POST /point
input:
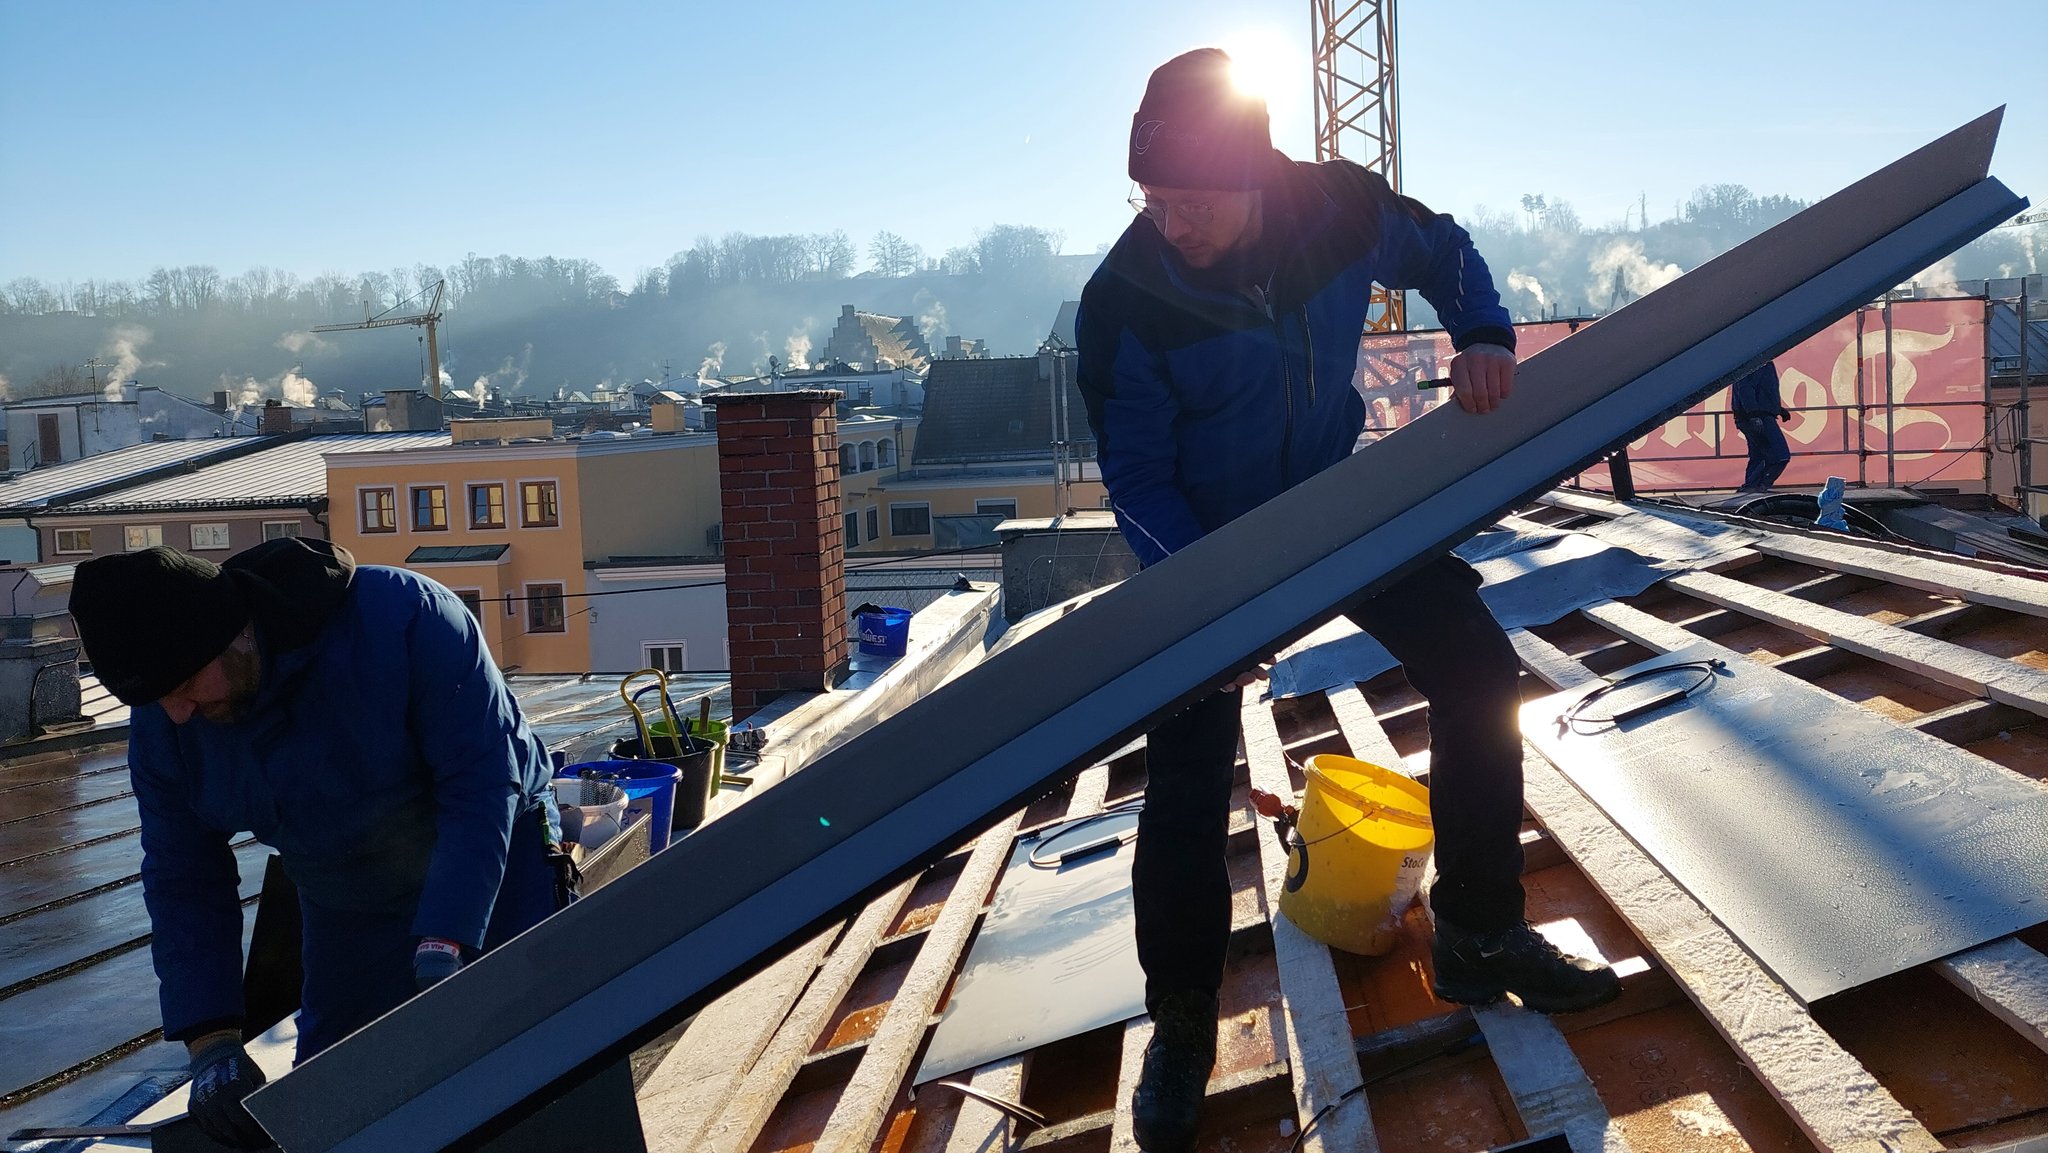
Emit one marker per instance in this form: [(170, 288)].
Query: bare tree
[(61, 379), (892, 255), (203, 283), (28, 295), (1009, 249)]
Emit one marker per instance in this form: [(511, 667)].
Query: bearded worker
[(350, 718)]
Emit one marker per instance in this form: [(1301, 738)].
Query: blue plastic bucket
[(883, 631), (650, 788)]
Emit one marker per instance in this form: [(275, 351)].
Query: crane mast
[(1357, 107)]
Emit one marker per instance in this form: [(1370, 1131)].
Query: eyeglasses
[(1195, 215)]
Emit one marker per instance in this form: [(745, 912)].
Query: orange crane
[(1358, 107), (426, 319)]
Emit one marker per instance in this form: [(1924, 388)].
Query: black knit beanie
[(1195, 130), (150, 619)]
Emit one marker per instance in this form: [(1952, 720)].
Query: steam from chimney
[(797, 350), (247, 394), (1939, 278), (1519, 281), (931, 322), (4, 390), (124, 348), (1638, 275), (296, 389), (297, 343), (714, 361), (508, 377)]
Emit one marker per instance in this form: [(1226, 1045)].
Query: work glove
[(435, 961), (222, 1075)]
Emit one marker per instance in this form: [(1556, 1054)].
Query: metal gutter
[(542, 1015)]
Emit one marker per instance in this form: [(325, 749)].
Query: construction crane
[(426, 319), (1357, 103)]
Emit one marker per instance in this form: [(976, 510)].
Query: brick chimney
[(276, 418), (785, 578)]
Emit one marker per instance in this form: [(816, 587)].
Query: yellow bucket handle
[(1368, 809), (640, 719)]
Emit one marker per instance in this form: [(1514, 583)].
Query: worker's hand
[(1784, 416), (222, 1075), (1251, 676), (1482, 376), (435, 961)]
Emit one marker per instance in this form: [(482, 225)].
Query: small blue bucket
[(883, 631), (650, 789)]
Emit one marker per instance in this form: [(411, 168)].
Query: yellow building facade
[(512, 528)]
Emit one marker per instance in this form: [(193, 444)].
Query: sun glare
[(1260, 64)]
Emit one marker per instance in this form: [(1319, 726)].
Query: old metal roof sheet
[(290, 473), (47, 487)]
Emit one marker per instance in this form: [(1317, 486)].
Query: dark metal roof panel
[(993, 409), (2003, 341), (455, 553)]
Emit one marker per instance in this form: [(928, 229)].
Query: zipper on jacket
[(1262, 298)]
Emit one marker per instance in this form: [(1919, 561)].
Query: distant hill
[(520, 343), (534, 326)]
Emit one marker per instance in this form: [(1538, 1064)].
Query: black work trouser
[(1461, 661)]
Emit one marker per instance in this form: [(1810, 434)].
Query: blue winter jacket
[(1756, 393), (384, 758), (1209, 399)]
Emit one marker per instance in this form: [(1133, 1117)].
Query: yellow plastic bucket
[(1357, 856)]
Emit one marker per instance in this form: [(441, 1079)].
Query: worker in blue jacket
[(350, 718), (1218, 343), (1759, 408)]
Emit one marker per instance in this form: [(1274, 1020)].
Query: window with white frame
[(849, 460), (379, 508), (279, 529), (910, 519), (867, 455), (852, 530), (539, 504), (430, 508), (874, 522), (74, 540), (545, 612), (885, 453), (487, 505), (210, 536), (473, 600), (668, 656), (1007, 509), (137, 537)]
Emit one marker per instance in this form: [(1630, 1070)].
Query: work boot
[(1166, 1110), (1479, 968)]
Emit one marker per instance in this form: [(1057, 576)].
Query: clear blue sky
[(317, 137)]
